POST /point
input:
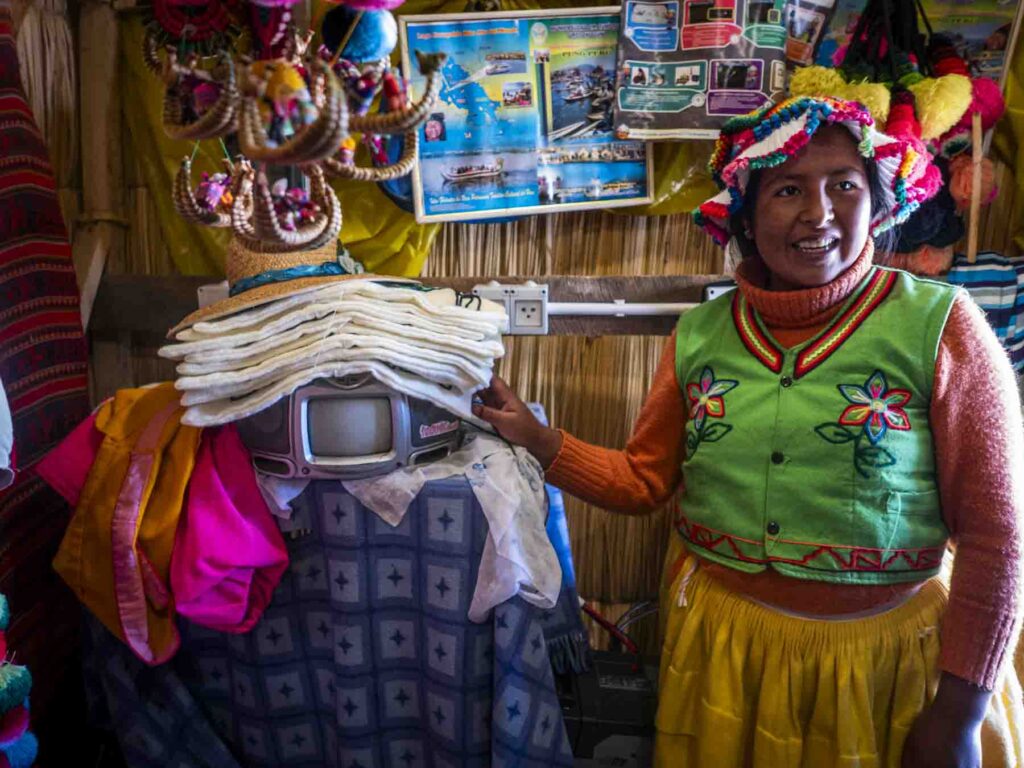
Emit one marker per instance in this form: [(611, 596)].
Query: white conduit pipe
[(617, 308)]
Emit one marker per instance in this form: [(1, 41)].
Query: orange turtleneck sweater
[(975, 418)]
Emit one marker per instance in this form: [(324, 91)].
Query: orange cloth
[(116, 553), (976, 422)]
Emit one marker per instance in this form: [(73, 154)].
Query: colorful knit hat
[(771, 135)]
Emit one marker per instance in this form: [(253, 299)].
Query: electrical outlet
[(527, 313), (526, 305)]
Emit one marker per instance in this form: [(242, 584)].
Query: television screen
[(342, 427)]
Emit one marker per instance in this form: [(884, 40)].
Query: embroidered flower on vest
[(707, 400), (875, 409)]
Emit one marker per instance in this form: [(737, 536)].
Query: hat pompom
[(961, 177), (824, 81), (941, 103)]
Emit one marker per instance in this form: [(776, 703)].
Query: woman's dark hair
[(743, 219)]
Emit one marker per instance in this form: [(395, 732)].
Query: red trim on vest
[(846, 557), (879, 286), (756, 342)]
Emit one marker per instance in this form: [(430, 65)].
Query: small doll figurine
[(286, 104), (214, 192)]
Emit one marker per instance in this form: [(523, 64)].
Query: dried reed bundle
[(591, 243), (46, 56), (592, 387)]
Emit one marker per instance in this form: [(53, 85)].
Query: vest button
[(778, 457), (786, 381), (772, 528)]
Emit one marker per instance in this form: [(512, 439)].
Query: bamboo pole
[(976, 158), (99, 236)]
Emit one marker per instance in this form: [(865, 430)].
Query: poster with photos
[(686, 66), (523, 121)]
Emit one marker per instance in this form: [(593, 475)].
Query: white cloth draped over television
[(518, 558)]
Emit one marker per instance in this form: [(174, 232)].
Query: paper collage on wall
[(686, 66), (523, 122)]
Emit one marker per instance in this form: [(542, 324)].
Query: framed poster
[(685, 66), (523, 122)]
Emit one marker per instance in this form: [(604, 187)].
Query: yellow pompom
[(941, 102), (874, 96), (824, 81), (816, 81)]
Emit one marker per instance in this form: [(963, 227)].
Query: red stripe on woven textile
[(49, 388), (21, 249), (14, 103), (43, 318), (16, 179)]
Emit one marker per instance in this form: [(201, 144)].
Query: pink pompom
[(961, 170), (988, 100)]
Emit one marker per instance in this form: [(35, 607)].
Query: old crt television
[(347, 428)]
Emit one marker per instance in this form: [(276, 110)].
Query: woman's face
[(812, 215)]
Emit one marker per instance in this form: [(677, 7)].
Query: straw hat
[(771, 135), (257, 278)]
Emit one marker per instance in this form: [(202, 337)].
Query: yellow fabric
[(84, 559), (1008, 143), (194, 250), (742, 685)]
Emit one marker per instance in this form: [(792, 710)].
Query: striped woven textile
[(43, 365), (996, 283)]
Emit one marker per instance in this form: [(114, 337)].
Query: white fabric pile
[(428, 344)]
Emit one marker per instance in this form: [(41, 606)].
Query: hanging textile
[(365, 657), (44, 370)]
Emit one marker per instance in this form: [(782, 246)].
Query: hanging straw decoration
[(184, 115), (46, 57), (311, 142)]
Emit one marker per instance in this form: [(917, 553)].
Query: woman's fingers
[(497, 395)]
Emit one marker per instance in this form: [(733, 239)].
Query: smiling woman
[(828, 448), (827, 179)]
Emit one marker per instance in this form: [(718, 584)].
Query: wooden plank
[(100, 239), (149, 305)]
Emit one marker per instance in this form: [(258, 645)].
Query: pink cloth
[(228, 555), (228, 552), (67, 466)]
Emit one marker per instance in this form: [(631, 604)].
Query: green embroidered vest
[(816, 460)]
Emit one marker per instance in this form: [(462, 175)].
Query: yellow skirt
[(743, 685)]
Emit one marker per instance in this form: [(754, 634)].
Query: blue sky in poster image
[(470, 114)]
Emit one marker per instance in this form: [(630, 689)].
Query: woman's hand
[(947, 734), (502, 409)]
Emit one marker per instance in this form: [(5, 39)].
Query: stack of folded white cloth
[(435, 345)]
